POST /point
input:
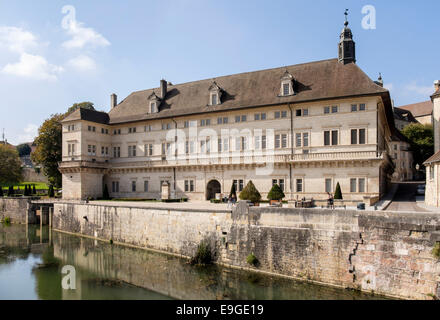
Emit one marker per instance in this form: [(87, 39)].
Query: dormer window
[(287, 85), (215, 93), (154, 103)]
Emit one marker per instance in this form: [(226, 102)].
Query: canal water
[(32, 261)]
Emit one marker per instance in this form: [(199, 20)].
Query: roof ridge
[(240, 73)]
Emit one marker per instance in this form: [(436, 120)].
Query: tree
[(34, 191), (1, 192), (338, 192), (250, 193), (25, 190), (24, 150), (421, 138), (11, 191), (106, 195), (10, 165), (49, 148), (276, 193), (51, 192), (233, 192), (83, 105)]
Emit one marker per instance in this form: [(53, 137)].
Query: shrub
[(338, 192), (203, 255), (7, 221), (1, 192), (11, 191), (34, 191), (106, 195), (250, 193), (276, 193), (252, 260), (436, 250), (233, 192), (51, 192)]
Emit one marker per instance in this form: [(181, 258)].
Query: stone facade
[(389, 255)]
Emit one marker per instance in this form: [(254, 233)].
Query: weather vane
[(346, 14)]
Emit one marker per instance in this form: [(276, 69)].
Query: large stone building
[(305, 127), (432, 194)]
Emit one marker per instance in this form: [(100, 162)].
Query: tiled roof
[(434, 158), (404, 115), (314, 81), (419, 109), (88, 115)]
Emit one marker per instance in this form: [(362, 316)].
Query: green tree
[(11, 191), (106, 195), (10, 165), (233, 192), (83, 105), (250, 193), (421, 138), (48, 152), (1, 192), (51, 192), (276, 193), (24, 150), (338, 192), (34, 191)]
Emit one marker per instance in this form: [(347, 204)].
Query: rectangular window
[(431, 172), (132, 151), (237, 119), (277, 114), (284, 141), (257, 143), (305, 112), (214, 99), (354, 136), (298, 140), (326, 138), (220, 120), (305, 139), (334, 109), (328, 185), (116, 152), (277, 141), (133, 186), (186, 185), (257, 117), (353, 185), (362, 107), (362, 136), (240, 185), (354, 108), (298, 113), (281, 184), (243, 118), (286, 89), (361, 184), (334, 138), (299, 185), (326, 110), (146, 185), (102, 151), (283, 114), (115, 186), (263, 142)]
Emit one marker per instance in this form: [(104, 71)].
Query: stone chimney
[(113, 100), (435, 98), (163, 89), (437, 85)]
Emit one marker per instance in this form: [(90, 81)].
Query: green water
[(31, 262)]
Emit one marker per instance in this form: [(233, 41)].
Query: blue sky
[(48, 61)]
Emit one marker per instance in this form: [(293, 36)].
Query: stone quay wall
[(15, 208), (385, 253)]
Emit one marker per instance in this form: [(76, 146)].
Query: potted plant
[(251, 194), (276, 195)]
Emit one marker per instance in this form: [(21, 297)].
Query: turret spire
[(347, 47)]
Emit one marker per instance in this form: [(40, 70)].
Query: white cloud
[(33, 67), (82, 63), (30, 132), (16, 39), (82, 36), (422, 90)]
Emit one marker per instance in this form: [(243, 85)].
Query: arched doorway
[(212, 189)]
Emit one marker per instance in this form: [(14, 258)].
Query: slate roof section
[(434, 158), (420, 109), (404, 115), (321, 80), (88, 115)]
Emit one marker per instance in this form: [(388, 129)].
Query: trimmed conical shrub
[(26, 191), (34, 191), (233, 192), (338, 192), (276, 193), (106, 195), (250, 193), (1, 192), (51, 192), (11, 191)]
